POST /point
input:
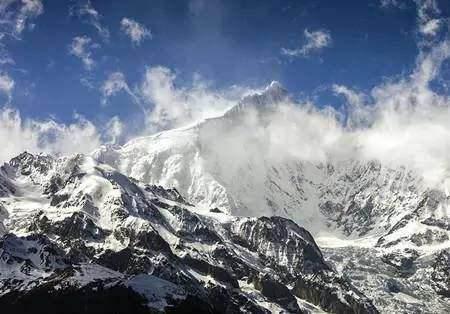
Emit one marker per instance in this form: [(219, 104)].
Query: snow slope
[(362, 205)]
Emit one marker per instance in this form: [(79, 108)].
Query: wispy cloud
[(315, 41), (357, 114), (114, 130), (6, 85), (137, 32), (15, 15), (114, 84), (165, 105), (429, 20), (174, 107), (91, 16), (81, 47), (391, 3)]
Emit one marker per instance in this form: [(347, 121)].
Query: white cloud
[(91, 16), (15, 15), (114, 130), (315, 41), (29, 9), (166, 106), (173, 107), (401, 122), (428, 17), (431, 27), (137, 32), (81, 47), (114, 84), (18, 135), (6, 84), (429, 21), (358, 115)]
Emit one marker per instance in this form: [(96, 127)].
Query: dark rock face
[(321, 289), (77, 226), (170, 194), (278, 238), (86, 301), (277, 293), (441, 273), (26, 163), (125, 261), (229, 301)]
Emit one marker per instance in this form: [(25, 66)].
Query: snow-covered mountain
[(360, 211), (78, 236), (215, 218), (212, 164)]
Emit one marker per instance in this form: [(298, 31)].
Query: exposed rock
[(441, 273)]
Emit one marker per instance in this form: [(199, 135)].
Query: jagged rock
[(332, 293), (403, 260), (441, 273), (77, 226), (284, 244), (277, 293)]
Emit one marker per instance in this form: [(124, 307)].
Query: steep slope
[(226, 162), (212, 164), (79, 236)]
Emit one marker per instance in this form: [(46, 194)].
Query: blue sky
[(101, 65), (226, 42)]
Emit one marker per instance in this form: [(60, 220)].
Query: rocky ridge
[(75, 232)]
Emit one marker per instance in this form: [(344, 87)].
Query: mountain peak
[(273, 93), (270, 97), (275, 85)]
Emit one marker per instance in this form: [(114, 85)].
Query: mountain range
[(221, 217)]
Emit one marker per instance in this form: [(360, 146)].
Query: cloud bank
[(401, 123), (18, 135)]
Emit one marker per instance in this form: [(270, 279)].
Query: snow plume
[(401, 123), (18, 135), (114, 84), (174, 107)]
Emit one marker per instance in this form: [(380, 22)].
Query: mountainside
[(354, 208), (78, 236), (208, 219)]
